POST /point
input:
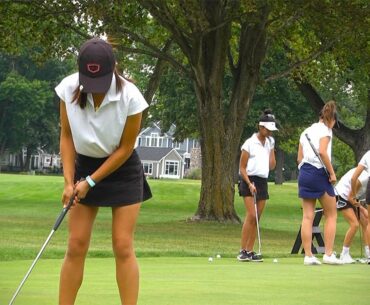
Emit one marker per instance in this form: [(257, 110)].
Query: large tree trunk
[(206, 45), (221, 130), (279, 170), (357, 139)]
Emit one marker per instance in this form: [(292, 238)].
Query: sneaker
[(331, 260), (243, 256), (347, 259), (254, 257), (368, 260), (362, 260), (311, 260)]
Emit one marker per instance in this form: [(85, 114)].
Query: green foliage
[(26, 119), (194, 174), (343, 157)]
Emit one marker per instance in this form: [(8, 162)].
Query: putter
[(360, 226), (340, 203), (257, 222), (55, 227)]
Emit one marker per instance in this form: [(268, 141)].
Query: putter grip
[(63, 213)]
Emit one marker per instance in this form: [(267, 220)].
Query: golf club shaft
[(360, 227), (55, 227), (317, 154), (32, 266), (257, 222)]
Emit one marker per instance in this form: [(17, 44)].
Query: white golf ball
[(210, 259), (275, 260), (218, 256)]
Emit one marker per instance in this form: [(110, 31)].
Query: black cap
[(96, 64)]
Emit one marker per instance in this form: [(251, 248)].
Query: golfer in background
[(364, 165), (256, 160), (354, 213), (100, 114), (314, 183)]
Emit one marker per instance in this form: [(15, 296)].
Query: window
[(148, 168), (154, 139), (172, 168), (176, 145)]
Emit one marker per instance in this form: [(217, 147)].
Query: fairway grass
[(195, 281), (172, 251)]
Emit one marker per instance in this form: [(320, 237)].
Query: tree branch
[(299, 63)]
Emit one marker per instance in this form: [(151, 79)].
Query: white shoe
[(363, 260), (347, 259), (331, 260), (311, 260)]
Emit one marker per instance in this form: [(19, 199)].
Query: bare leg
[(80, 222), (308, 206), (249, 229), (330, 213), (351, 218), (127, 270)]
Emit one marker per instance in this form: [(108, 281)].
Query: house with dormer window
[(161, 155)]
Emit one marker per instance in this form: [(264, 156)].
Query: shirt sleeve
[(60, 90), (246, 146), (137, 102), (365, 161)]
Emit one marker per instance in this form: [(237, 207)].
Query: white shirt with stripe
[(344, 185), (365, 162), (98, 133), (259, 155), (315, 132)]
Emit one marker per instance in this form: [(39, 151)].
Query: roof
[(153, 153)]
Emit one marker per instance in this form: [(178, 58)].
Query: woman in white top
[(315, 182), (100, 114), (353, 210), (256, 160), (364, 165)]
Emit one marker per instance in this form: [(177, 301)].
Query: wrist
[(90, 181)]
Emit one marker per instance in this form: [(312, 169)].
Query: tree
[(206, 40)]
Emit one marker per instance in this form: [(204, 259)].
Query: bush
[(194, 174)]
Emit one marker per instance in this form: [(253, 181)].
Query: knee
[(354, 225), (123, 248), (77, 247)]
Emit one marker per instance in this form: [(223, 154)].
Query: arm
[(352, 194), (119, 156), (300, 154), (324, 142), (354, 179), (68, 154), (243, 169), (272, 159)]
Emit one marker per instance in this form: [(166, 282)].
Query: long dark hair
[(81, 97)]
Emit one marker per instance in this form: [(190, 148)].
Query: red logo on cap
[(93, 68)]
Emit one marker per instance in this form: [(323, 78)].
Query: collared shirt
[(259, 155), (98, 133), (344, 185), (315, 132), (365, 162)]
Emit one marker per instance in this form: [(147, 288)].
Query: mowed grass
[(195, 281), (173, 252)]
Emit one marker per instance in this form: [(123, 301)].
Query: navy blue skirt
[(127, 185), (313, 182)]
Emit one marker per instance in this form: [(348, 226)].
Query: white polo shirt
[(259, 155), (344, 185), (98, 133), (365, 162), (315, 132)]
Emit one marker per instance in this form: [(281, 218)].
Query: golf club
[(340, 203), (55, 227), (360, 226), (257, 222)]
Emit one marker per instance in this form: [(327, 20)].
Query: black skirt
[(127, 185), (260, 184)]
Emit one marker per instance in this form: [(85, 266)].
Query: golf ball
[(210, 259), (218, 256), (275, 260)]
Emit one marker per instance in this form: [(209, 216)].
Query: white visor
[(269, 125)]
